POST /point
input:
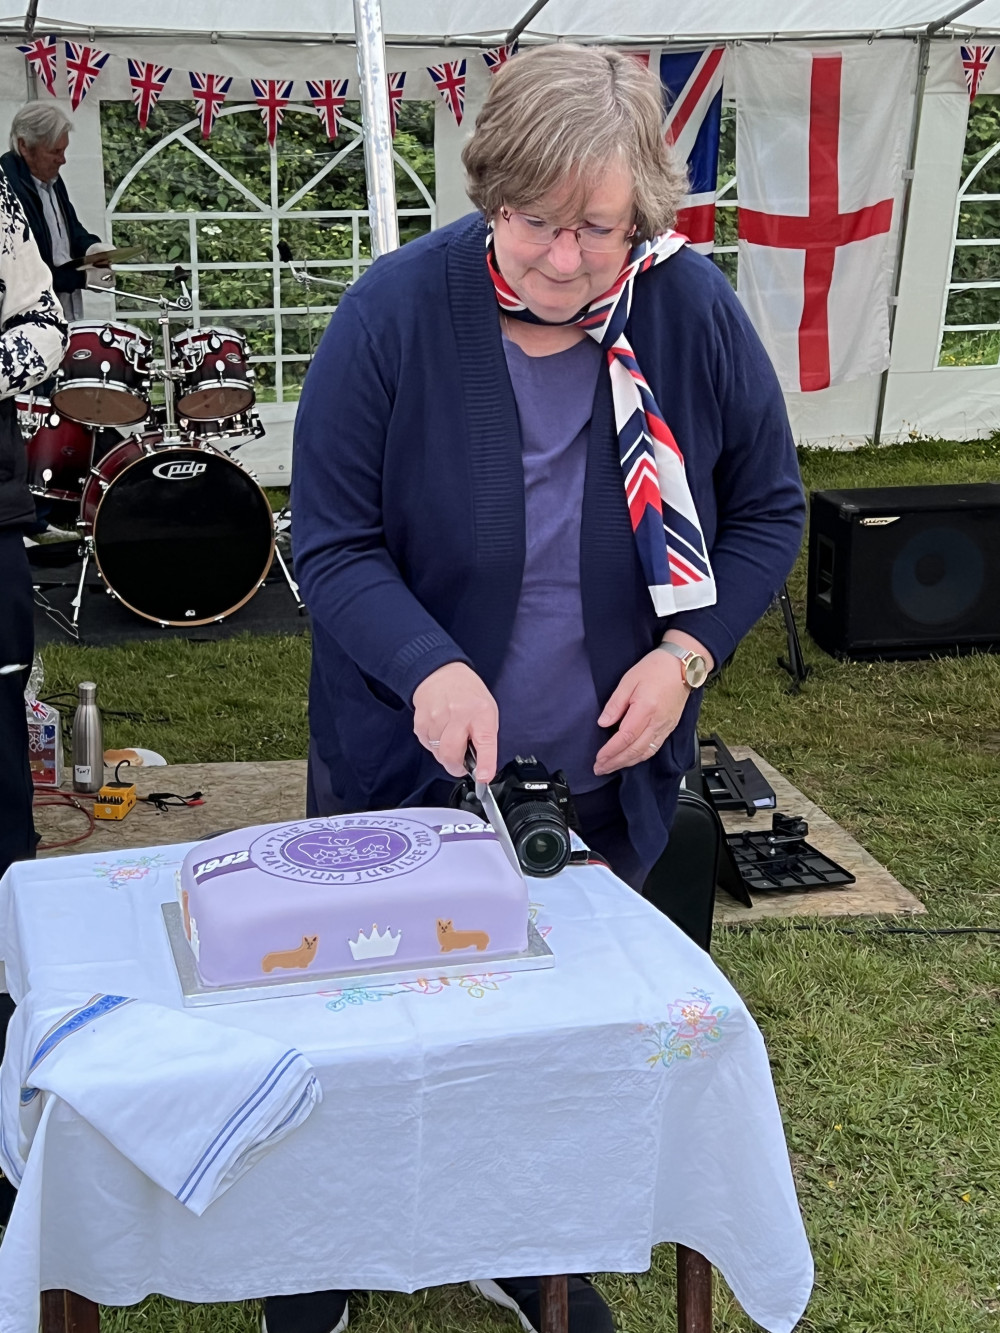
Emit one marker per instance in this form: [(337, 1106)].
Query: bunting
[(499, 55), (328, 97), (148, 82), (209, 92), (449, 80), (41, 57), (974, 62), (396, 82), (83, 64), (272, 96)]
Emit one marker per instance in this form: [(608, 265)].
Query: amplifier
[(905, 571)]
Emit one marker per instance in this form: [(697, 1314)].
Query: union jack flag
[(692, 82), (974, 62), (83, 64), (272, 96), (148, 82), (328, 97), (499, 55), (209, 92), (38, 708), (449, 80), (41, 56), (396, 82)]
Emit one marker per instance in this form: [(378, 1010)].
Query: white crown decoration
[(375, 945)]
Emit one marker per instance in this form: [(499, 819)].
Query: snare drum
[(216, 381), (182, 534), (59, 450), (105, 375)]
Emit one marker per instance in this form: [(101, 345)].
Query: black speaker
[(905, 571)]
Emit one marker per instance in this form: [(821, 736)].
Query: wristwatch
[(694, 668)]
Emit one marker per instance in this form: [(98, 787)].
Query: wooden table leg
[(66, 1312), (694, 1292), (554, 1295)]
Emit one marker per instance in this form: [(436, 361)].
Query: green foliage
[(977, 220), (306, 179)]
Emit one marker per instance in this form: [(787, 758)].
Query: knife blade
[(484, 795)]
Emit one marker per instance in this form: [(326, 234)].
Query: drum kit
[(180, 531)]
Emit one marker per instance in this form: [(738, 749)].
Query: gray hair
[(39, 122), (565, 113)]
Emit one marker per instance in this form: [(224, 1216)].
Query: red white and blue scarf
[(665, 522)]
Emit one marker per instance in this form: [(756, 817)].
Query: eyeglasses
[(535, 231)]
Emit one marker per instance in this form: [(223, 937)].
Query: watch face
[(695, 671)]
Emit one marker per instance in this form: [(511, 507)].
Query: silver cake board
[(195, 992)]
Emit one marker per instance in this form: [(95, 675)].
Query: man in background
[(39, 137)]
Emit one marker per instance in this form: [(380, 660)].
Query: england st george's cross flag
[(820, 152)]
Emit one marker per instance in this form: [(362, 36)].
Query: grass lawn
[(885, 1047)]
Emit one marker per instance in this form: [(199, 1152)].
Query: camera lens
[(541, 841)]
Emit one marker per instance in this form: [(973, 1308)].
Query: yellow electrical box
[(114, 800)]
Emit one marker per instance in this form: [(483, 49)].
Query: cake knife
[(484, 795)]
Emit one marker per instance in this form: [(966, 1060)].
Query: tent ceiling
[(653, 20)]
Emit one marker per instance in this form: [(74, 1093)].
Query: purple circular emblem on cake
[(347, 849)]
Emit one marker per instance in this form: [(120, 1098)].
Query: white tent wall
[(955, 402)]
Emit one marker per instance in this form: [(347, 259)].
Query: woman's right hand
[(451, 707)]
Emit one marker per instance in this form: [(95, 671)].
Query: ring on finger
[(433, 744), (653, 746)]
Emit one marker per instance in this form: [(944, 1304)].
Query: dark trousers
[(17, 645), (17, 830)]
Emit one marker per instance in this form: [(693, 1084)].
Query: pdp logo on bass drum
[(179, 471)]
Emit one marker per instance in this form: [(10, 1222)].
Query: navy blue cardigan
[(407, 493)]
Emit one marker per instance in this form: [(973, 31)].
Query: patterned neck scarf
[(664, 520)]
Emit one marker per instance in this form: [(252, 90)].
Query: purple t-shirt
[(545, 691)]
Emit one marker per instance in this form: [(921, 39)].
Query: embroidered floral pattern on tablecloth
[(693, 1028), (474, 986), (121, 872)]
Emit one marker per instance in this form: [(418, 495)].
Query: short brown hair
[(563, 111)]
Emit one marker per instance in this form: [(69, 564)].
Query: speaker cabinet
[(905, 571)]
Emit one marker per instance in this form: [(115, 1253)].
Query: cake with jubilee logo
[(382, 891)]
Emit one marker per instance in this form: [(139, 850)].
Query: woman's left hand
[(647, 705)]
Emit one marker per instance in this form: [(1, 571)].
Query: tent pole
[(379, 169), (938, 24), (29, 31), (522, 23), (923, 64)]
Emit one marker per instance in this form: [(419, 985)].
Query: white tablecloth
[(542, 1122)]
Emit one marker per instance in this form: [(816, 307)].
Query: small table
[(628, 1085)]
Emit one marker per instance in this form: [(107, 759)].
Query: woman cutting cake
[(543, 484)]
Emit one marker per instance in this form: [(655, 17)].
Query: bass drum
[(182, 534)]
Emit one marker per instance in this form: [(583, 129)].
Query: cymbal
[(117, 256)]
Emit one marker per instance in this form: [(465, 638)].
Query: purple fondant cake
[(354, 893)]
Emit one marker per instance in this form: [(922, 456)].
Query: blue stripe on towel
[(96, 1007), (250, 1103)]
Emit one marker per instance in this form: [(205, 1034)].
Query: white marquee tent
[(919, 394)]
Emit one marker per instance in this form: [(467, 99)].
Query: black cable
[(873, 930)]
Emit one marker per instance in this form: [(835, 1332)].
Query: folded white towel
[(193, 1104)]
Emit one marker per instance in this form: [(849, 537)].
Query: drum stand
[(282, 522)]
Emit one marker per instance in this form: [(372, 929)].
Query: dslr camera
[(536, 807)]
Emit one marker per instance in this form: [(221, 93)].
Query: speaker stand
[(794, 664)]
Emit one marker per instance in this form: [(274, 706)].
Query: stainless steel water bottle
[(88, 741)]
